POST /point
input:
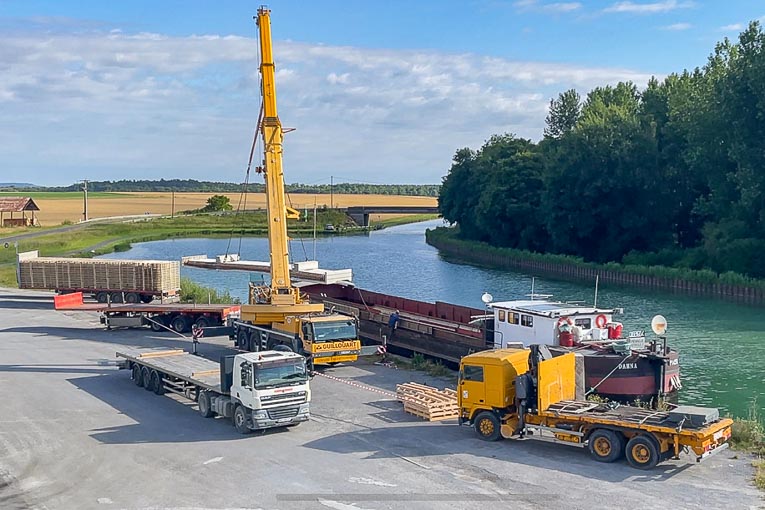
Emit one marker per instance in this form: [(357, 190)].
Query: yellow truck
[(528, 393), (325, 338)]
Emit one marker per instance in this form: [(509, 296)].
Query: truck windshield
[(282, 374), (340, 330)]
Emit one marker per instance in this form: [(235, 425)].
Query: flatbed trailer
[(523, 393), (180, 317), (256, 390)]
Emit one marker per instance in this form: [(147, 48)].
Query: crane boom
[(282, 291)]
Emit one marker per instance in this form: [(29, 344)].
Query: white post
[(314, 228), (597, 277)]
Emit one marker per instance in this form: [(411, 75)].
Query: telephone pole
[(85, 199), (331, 192)]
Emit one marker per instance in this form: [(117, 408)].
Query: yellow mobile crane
[(277, 315)]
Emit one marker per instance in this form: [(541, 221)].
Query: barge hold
[(617, 366)]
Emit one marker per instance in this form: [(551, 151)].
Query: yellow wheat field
[(56, 211)]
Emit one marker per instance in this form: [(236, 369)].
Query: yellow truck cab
[(326, 337), (527, 393)]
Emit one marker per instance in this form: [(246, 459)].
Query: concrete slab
[(75, 433)]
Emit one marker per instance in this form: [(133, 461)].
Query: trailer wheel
[(146, 378), (243, 339), (606, 445), (157, 385), (136, 376), (157, 323), (202, 322), (147, 298), (240, 420), (132, 297), (179, 324), (487, 426), (102, 297), (205, 407), (116, 297), (642, 452)]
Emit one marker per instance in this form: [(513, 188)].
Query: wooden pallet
[(428, 402)]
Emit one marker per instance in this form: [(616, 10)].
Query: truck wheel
[(132, 297), (642, 452), (202, 322), (205, 406), (102, 297), (179, 324), (157, 386), (606, 445), (146, 378), (116, 297), (147, 298), (137, 377), (487, 426), (243, 339), (157, 324), (240, 420)]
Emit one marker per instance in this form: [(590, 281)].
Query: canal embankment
[(730, 286)]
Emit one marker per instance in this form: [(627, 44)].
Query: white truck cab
[(273, 388)]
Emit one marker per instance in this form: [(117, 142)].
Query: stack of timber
[(427, 402), (150, 276)]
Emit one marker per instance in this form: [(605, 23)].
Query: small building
[(20, 206)]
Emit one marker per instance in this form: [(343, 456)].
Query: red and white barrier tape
[(358, 385)]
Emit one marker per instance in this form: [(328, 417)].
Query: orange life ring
[(601, 320), (565, 320)]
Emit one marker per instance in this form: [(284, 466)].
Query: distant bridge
[(360, 214)]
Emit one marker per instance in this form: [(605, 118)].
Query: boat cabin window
[(501, 315), (583, 323), (471, 373), (512, 318), (527, 320)]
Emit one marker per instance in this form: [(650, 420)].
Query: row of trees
[(191, 185), (671, 175)]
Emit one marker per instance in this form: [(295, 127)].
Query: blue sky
[(381, 92)]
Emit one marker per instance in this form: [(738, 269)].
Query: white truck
[(257, 390)]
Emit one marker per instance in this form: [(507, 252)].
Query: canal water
[(721, 344)]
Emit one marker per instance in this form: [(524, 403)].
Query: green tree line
[(191, 185), (672, 175)]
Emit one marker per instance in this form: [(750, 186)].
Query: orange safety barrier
[(63, 301)]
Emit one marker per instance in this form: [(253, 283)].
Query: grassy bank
[(688, 280), (192, 292), (749, 436), (403, 220)]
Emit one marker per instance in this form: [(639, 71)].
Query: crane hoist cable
[(242, 205)]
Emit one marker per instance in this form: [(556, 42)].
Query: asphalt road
[(75, 433)]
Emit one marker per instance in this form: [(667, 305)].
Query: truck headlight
[(260, 414), (304, 408)]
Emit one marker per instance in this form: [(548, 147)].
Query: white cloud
[(677, 27), (115, 105), (649, 8), (555, 7), (734, 27)]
